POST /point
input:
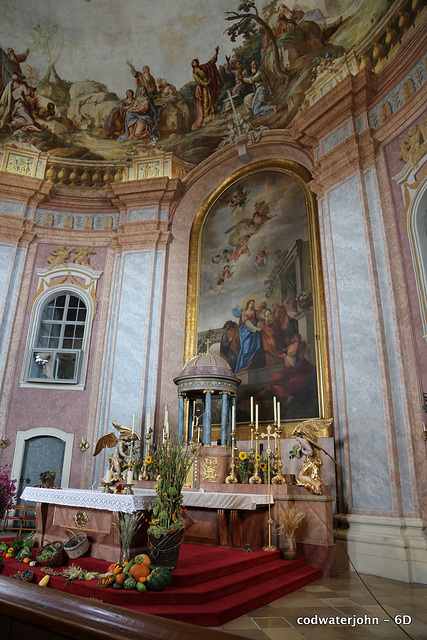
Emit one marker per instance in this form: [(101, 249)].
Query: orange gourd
[(146, 559), (138, 571), (120, 577), (114, 568)]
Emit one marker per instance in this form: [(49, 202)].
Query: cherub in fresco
[(241, 228), (223, 257), (241, 248), (260, 216), (260, 260), (238, 199)]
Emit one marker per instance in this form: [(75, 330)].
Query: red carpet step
[(210, 585)]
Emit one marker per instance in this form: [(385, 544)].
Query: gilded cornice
[(16, 230)]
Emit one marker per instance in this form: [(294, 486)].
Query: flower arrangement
[(245, 466), (289, 522), (45, 475), (152, 466), (7, 489), (175, 459)]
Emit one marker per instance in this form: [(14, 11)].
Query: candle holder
[(127, 491), (269, 435), (277, 458), (106, 486), (256, 478), (143, 474), (232, 478)]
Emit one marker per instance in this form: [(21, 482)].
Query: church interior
[(213, 268)]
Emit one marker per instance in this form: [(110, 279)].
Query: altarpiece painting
[(258, 293)]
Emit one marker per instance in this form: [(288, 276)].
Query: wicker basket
[(24, 576), (54, 561), (76, 550)]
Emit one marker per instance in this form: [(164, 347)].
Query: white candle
[(252, 438), (275, 408), (252, 409), (232, 416), (278, 415), (256, 417), (167, 429), (166, 419), (129, 477), (108, 476), (148, 421)]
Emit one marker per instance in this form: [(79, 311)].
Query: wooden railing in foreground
[(40, 613)]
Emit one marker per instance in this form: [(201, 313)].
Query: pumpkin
[(120, 578), (159, 579), (117, 585), (138, 571)]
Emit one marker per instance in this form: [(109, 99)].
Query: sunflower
[(148, 459), (243, 455), (263, 466), (257, 457)]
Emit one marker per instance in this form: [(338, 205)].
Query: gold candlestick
[(143, 474), (256, 478), (269, 435), (232, 478), (278, 464)]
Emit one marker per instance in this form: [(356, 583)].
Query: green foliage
[(175, 461)]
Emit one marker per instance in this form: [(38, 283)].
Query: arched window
[(58, 348)]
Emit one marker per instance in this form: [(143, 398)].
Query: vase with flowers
[(7, 490), (175, 459), (47, 478)]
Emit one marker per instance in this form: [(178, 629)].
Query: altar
[(213, 518), (235, 517)]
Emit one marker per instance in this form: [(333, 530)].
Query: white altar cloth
[(83, 498), (141, 499)]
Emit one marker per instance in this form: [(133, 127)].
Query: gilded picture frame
[(255, 291)]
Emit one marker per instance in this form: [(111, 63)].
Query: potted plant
[(289, 522), (7, 490), (47, 478), (175, 459)]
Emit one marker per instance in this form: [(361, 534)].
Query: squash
[(141, 587), (120, 578), (44, 581), (127, 567), (159, 578), (117, 585), (138, 571), (129, 583), (115, 568)]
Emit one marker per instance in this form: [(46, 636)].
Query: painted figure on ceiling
[(239, 90), (16, 112), (207, 91), (168, 91), (6, 70), (257, 102), (114, 122), (143, 79), (142, 118)]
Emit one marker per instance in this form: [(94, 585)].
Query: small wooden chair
[(14, 516), (28, 520)]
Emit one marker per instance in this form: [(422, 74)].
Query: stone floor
[(368, 611)]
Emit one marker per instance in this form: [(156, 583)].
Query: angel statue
[(305, 433), (118, 462)]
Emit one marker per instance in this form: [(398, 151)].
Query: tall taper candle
[(256, 417), (275, 408), (252, 409)]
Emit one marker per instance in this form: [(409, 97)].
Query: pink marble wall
[(31, 408)]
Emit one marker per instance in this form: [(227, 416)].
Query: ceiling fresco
[(100, 79)]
